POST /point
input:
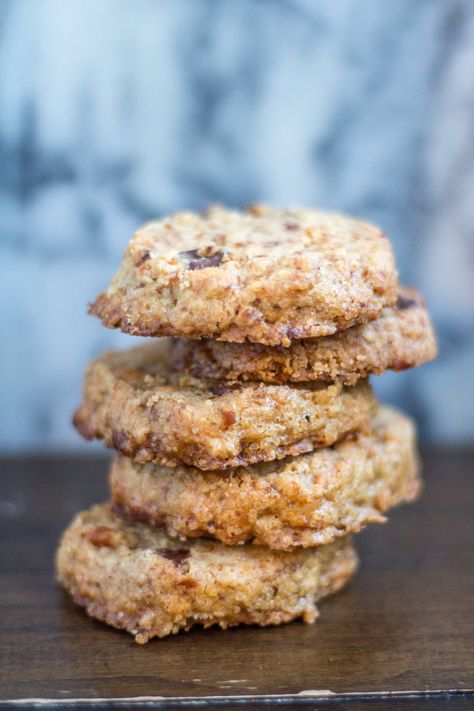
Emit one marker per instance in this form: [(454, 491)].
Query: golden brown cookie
[(302, 501), (139, 405), (402, 337), (264, 275), (138, 579)]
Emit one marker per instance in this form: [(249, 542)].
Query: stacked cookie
[(250, 445)]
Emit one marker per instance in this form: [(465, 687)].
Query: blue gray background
[(116, 111)]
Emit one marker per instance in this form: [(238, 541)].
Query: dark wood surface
[(405, 624)]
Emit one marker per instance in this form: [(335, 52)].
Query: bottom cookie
[(138, 579)]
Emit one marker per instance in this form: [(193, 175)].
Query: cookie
[(139, 405), (264, 275), (402, 337), (138, 579), (308, 500)]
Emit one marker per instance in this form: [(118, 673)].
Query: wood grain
[(405, 624)]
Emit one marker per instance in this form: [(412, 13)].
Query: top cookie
[(264, 275)]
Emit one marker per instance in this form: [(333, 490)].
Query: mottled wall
[(116, 111)]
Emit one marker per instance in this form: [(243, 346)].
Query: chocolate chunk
[(223, 388), (119, 440), (143, 257), (290, 225), (203, 258), (176, 555), (404, 303), (293, 333)]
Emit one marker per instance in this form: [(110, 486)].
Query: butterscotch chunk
[(153, 586), (140, 406), (264, 275)]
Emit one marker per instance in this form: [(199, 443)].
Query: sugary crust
[(304, 501), (402, 337), (263, 275), (140, 406), (138, 579)]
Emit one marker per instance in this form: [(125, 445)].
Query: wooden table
[(401, 634)]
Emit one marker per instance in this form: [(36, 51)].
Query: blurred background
[(113, 112)]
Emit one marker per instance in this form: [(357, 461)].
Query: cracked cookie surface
[(143, 408), (138, 579), (262, 275)]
